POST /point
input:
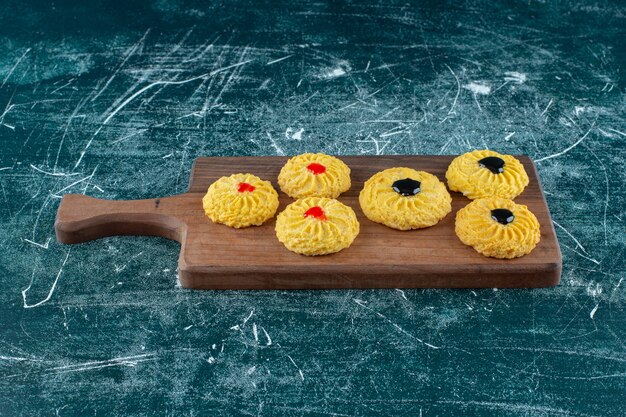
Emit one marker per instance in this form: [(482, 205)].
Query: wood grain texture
[(215, 256)]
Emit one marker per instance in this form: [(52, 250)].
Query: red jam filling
[(244, 186), (316, 212), (316, 168)]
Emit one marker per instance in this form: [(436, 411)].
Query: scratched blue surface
[(116, 100)]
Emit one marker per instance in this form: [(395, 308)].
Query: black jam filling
[(502, 216), (493, 164), (407, 187)]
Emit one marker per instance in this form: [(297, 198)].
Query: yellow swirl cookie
[(314, 175), (498, 227), (240, 200), (404, 199), (485, 173), (316, 226)]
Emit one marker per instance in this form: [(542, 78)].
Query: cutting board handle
[(81, 218)]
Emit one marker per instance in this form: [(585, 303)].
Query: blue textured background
[(116, 100)]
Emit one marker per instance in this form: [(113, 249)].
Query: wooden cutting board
[(215, 256)]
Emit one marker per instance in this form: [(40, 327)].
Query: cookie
[(485, 173), (314, 175), (316, 226), (404, 199), (498, 228), (240, 200)]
